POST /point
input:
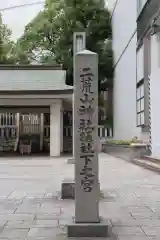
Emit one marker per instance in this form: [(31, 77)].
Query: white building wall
[(61, 129), (155, 96), (124, 25), (124, 47), (110, 4)]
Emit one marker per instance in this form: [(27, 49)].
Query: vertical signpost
[(86, 137), (87, 191), (79, 44)]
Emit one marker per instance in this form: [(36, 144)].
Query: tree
[(49, 37), (6, 45)]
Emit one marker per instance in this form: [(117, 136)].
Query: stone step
[(152, 159), (148, 164)]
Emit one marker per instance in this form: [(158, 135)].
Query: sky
[(17, 19)]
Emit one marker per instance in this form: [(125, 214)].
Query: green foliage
[(6, 45), (19, 55), (123, 142), (108, 122), (101, 194), (49, 37), (119, 142)]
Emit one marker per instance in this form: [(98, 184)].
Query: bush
[(124, 142), (119, 142)]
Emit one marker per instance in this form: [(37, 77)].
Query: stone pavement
[(30, 207)]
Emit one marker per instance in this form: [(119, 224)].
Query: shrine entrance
[(31, 126), (27, 128), (9, 135), (35, 102), (34, 132)]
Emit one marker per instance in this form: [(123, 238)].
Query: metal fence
[(8, 126), (12, 125), (103, 132), (8, 131), (8, 119), (30, 124)]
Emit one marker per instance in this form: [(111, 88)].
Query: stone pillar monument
[(79, 44), (87, 190)]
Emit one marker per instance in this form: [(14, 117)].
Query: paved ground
[(30, 207)]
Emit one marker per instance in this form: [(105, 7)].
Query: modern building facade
[(124, 14), (148, 55), (136, 45)]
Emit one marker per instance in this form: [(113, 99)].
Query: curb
[(152, 166), (147, 163), (151, 159)]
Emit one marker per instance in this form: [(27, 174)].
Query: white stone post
[(86, 137), (61, 137), (55, 129), (41, 130), (87, 190)]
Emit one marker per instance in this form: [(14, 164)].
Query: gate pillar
[(61, 133), (55, 129)]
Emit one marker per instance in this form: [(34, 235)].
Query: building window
[(140, 104)]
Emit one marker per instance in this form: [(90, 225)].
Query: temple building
[(35, 109)]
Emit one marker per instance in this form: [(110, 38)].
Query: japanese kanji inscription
[(86, 136)]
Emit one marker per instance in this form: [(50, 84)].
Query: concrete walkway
[(30, 207)]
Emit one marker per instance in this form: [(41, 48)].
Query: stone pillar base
[(88, 229), (68, 189)]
